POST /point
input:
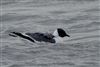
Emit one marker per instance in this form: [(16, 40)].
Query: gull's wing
[(42, 37)]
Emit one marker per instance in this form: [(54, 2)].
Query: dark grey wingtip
[(12, 34), (15, 34)]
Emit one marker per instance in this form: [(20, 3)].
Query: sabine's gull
[(56, 37)]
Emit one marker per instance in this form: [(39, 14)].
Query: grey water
[(79, 18)]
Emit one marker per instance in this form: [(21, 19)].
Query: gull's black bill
[(68, 35)]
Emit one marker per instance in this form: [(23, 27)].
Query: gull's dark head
[(60, 32)]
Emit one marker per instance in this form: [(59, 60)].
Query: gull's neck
[(56, 33)]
